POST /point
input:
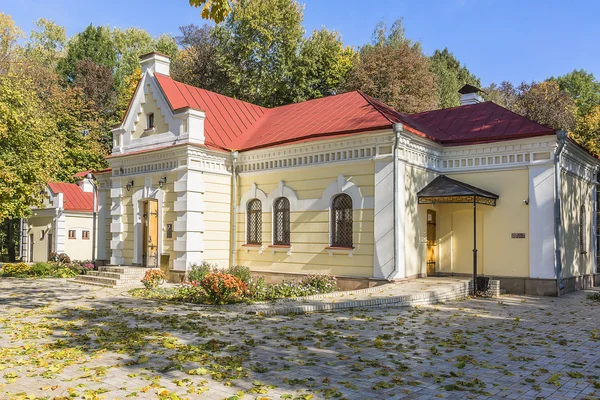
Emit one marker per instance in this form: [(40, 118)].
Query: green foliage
[(240, 272), (395, 71), (9, 36), (199, 271), (40, 270), (94, 43), (594, 296), (46, 42), (583, 87), (29, 146), (451, 76), (258, 47)]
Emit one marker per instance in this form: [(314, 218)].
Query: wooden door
[(150, 234), (432, 242)]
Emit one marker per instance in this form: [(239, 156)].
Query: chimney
[(470, 95), (155, 63)]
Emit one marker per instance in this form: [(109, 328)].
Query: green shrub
[(41, 269), (223, 288), (321, 283), (198, 272), (64, 272), (594, 296), (240, 272)]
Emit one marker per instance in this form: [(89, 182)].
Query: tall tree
[(94, 43), (259, 47), (29, 146), (97, 84), (46, 42), (451, 76), (395, 71), (197, 62), (323, 65), (9, 35), (583, 87)]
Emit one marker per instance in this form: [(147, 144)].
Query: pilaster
[(116, 225)]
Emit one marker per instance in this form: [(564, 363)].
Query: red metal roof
[(74, 197), (477, 123), (236, 125)]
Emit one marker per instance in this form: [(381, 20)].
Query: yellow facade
[(149, 105), (310, 228)]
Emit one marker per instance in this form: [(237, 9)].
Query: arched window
[(582, 230), (341, 221), (281, 221), (254, 215)]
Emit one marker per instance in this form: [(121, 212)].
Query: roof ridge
[(369, 98)]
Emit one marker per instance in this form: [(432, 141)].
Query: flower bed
[(59, 266), (234, 285)]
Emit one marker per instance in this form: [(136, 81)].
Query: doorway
[(150, 234), (49, 247), (432, 242)]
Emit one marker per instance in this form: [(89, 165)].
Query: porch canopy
[(450, 191)]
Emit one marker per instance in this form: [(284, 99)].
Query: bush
[(62, 258), (198, 272), (222, 288), (594, 296), (152, 278), (82, 267), (321, 283), (19, 269), (41, 269), (240, 272)]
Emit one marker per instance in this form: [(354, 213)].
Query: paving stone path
[(60, 340)]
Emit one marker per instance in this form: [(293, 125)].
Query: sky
[(496, 39)]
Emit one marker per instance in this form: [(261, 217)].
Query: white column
[(116, 225), (24, 248), (189, 225), (60, 225), (101, 226), (541, 221), (383, 255)]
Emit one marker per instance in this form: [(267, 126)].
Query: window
[(341, 221), (582, 244), (254, 230), (150, 122), (281, 221), (72, 234), (85, 235)]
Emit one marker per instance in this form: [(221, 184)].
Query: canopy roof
[(447, 190)]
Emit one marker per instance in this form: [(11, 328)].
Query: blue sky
[(497, 39)]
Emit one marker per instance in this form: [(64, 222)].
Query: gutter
[(234, 209), (397, 128), (561, 136)]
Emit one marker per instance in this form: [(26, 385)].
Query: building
[(345, 185), (63, 225)]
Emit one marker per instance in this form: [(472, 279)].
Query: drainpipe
[(561, 136), (234, 156), (397, 128)]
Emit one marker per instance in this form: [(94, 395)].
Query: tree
[(395, 71), (583, 87), (587, 130), (29, 146), (46, 42), (216, 10), (323, 65), (96, 83), (451, 76), (258, 49), (9, 35), (94, 43), (197, 62)]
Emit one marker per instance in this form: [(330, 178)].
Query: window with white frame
[(341, 221), (281, 221), (254, 222), (582, 230)]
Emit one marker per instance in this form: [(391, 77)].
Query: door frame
[(434, 247), (138, 198)]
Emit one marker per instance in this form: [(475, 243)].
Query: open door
[(49, 246), (150, 234), (431, 242)]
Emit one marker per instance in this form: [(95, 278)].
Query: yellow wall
[(498, 253), (217, 218), (40, 246), (149, 106), (310, 229), (576, 192), (78, 248)]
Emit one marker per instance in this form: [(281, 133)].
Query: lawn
[(60, 340)]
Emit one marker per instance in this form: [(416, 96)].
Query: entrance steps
[(113, 276)]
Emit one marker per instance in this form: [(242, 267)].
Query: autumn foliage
[(222, 288)]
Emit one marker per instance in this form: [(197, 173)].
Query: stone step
[(105, 285), (115, 275), (123, 270)]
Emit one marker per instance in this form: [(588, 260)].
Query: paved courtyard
[(60, 340)]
